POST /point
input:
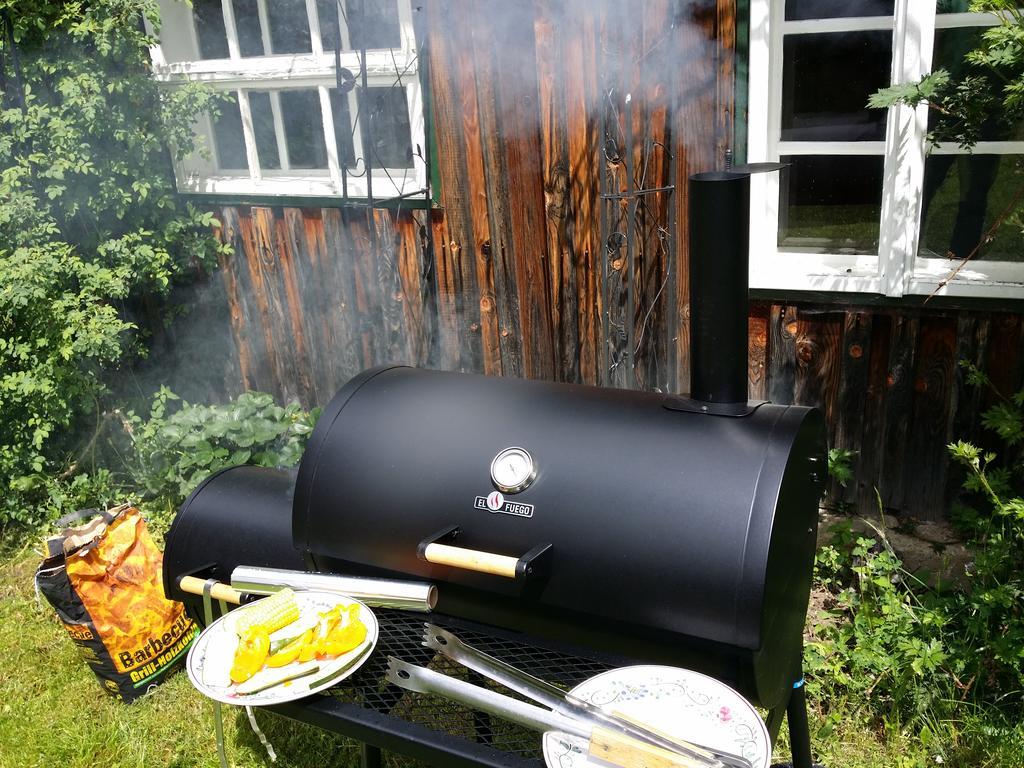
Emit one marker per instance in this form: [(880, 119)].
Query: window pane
[(376, 26), (289, 26), (327, 12), (830, 203), (247, 22), (228, 139), (209, 21), (832, 9), (263, 128), (963, 197), (951, 46), (953, 6), (303, 129), (826, 81), (342, 128), (390, 139)]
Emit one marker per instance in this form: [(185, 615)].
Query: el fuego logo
[(496, 503)]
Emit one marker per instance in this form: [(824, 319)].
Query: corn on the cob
[(269, 614)]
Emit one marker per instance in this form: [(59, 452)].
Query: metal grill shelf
[(367, 707)]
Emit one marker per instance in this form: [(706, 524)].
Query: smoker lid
[(654, 517)]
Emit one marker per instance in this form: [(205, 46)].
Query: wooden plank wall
[(541, 261), (891, 388)]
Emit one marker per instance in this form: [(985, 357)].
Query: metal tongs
[(612, 737)]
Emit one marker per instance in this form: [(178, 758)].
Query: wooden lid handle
[(439, 549), (471, 559)]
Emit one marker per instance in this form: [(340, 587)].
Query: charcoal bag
[(103, 579)]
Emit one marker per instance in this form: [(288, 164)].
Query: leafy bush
[(174, 451), (990, 614), (882, 644), (165, 456), (840, 465), (914, 655), (90, 225)]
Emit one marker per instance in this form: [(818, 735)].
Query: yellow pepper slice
[(323, 631), (290, 652), (308, 651), (343, 639), (252, 651)]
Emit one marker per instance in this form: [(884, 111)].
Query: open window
[(327, 96), (866, 204)]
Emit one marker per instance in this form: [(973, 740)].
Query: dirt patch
[(931, 551)]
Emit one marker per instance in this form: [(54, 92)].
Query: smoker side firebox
[(632, 527)]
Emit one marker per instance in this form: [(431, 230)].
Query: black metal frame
[(795, 712), (378, 732), (343, 713)]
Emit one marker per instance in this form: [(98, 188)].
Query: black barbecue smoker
[(569, 529)]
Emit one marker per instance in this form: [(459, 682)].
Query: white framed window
[(865, 203), (290, 129)]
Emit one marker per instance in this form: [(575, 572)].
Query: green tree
[(984, 89), (90, 223)]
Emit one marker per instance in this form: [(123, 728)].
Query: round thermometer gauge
[(512, 470)]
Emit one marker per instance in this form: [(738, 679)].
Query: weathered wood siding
[(891, 388), (541, 260)]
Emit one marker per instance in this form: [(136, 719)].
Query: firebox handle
[(219, 591), (436, 549)]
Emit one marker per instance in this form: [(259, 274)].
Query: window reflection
[(373, 24), (388, 127), (826, 82), (263, 129), (342, 129), (831, 203), (228, 139), (303, 129), (963, 196), (209, 22), (832, 9), (289, 26), (247, 23)]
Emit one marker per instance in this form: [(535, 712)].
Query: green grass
[(53, 713)]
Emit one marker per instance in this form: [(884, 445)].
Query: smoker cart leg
[(799, 732), (774, 722), (370, 757)]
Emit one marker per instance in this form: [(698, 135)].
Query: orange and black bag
[(103, 580)]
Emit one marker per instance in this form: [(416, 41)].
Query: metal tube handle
[(438, 549)]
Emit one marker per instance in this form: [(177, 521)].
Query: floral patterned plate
[(678, 702), (331, 671)]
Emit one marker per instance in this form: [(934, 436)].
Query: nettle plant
[(991, 612), (91, 227)]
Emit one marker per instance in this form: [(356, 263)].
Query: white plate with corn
[(282, 648)]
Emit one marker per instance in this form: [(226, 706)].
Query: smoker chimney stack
[(719, 259)]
